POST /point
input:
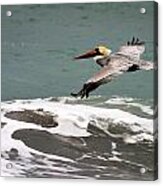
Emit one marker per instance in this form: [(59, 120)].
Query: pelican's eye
[(97, 51)]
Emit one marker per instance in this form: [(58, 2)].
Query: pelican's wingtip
[(135, 41)]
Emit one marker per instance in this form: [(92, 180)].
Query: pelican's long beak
[(89, 54)]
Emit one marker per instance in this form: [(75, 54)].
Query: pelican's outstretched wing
[(105, 75), (117, 66), (133, 49)]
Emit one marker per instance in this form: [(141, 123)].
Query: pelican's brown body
[(127, 59)]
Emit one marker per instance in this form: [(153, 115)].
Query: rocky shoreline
[(38, 117)]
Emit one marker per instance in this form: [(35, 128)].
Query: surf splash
[(70, 136)]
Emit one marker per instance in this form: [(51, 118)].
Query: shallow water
[(112, 134)]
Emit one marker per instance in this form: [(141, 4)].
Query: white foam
[(144, 108), (129, 102), (74, 119), (119, 100)]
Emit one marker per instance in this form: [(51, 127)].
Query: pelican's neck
[(103, 61), (97, 58)]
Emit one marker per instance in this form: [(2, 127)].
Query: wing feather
[(117, 66), (133, 48)]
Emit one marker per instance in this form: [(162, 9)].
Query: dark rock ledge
[(31, 116), (3, 124)]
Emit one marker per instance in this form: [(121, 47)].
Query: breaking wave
[(73, 138)]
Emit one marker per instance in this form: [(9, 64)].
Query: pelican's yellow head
[(98, 52), (104, 50)]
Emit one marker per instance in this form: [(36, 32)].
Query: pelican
[(126, 59)]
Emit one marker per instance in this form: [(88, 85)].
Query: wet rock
[(40, 109), (98, 144), (30, 116), (67, 146), (46, 142), (13, 153), (3, 124)]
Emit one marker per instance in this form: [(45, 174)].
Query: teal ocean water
[(40, 41), (46, 132)]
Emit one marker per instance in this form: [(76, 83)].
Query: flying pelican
[(126, 59)]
